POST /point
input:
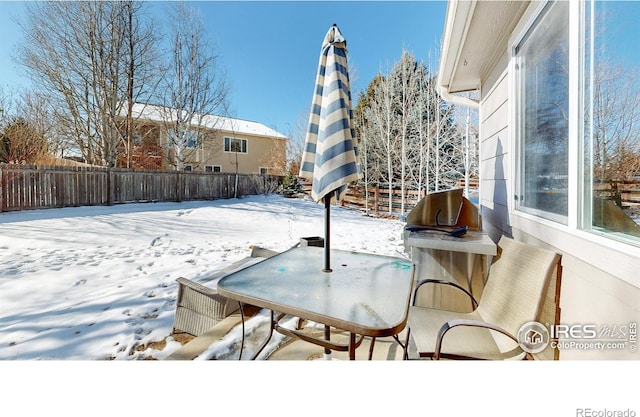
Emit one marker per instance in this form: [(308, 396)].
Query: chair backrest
[(551, 314), (517, 286)]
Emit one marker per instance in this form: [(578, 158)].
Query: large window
[(611, 98), (542, 115), (577, 117), (235, 145)]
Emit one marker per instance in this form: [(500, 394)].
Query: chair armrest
[(196, 286), (258, 252), (443, 282), (471, 323)]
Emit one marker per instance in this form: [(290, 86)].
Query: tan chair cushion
[(463, 341)]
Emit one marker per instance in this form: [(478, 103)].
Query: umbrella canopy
[(330, 157)]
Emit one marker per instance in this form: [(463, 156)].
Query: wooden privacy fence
[(625, 194), (377, 199), (26, 187)]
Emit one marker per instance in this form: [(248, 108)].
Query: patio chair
[(514, 294), (199, 308)]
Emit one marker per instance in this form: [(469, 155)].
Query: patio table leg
[(352, 346), (266, 342), (327, 337), (373, 342)]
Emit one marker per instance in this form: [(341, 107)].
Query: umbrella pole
[(327, 260), (327, 231)]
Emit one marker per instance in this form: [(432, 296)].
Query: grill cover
[(445, 209), (460, 259)]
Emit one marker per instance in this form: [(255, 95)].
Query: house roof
[(236, 126), (475, 36)]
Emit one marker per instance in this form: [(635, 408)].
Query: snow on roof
[(237, 126)]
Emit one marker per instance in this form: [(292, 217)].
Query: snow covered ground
[(79, 286), (99, 282), (82, 285)]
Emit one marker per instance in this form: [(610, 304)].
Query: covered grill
[(445, 240)]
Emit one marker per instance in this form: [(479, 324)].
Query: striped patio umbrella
[(330, 159)]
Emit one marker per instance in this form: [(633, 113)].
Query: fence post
[(376, 192), (179, 187), (2, 190), (111, 192)]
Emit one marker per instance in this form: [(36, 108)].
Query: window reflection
[(612, 117), (543, 83)]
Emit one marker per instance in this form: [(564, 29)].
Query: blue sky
[(270, 49)]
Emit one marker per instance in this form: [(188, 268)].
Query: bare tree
[(422, 144), (143, 69), (22, 143), (295, 142), (86, 57), (275, 159), (411, 137), (616, 115), (194, 84), (381, 133), (406, 79), (6, 106), (38, 113), (24, 129), (458, 147)]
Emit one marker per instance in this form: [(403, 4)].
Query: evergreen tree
[(291, 187)]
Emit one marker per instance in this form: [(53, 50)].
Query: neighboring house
[(218, 144), (537, 69)]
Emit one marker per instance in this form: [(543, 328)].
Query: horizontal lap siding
[(494, 156)]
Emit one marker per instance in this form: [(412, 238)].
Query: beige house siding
[(589, 296), (494, 155), (262, 152), (600, 281), (266, 148)]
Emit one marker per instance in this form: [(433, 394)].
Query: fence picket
[(26, 187)]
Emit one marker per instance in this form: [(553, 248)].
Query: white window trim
[(575, 106), (233, 137), (612, 256), (213, 167), (516, 161)]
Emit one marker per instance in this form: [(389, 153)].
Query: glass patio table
[(365, 295)]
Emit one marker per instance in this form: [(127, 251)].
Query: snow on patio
[(82, 284), (94, 283)]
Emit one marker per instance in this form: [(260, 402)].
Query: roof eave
[(458, 19), (475, 35)]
